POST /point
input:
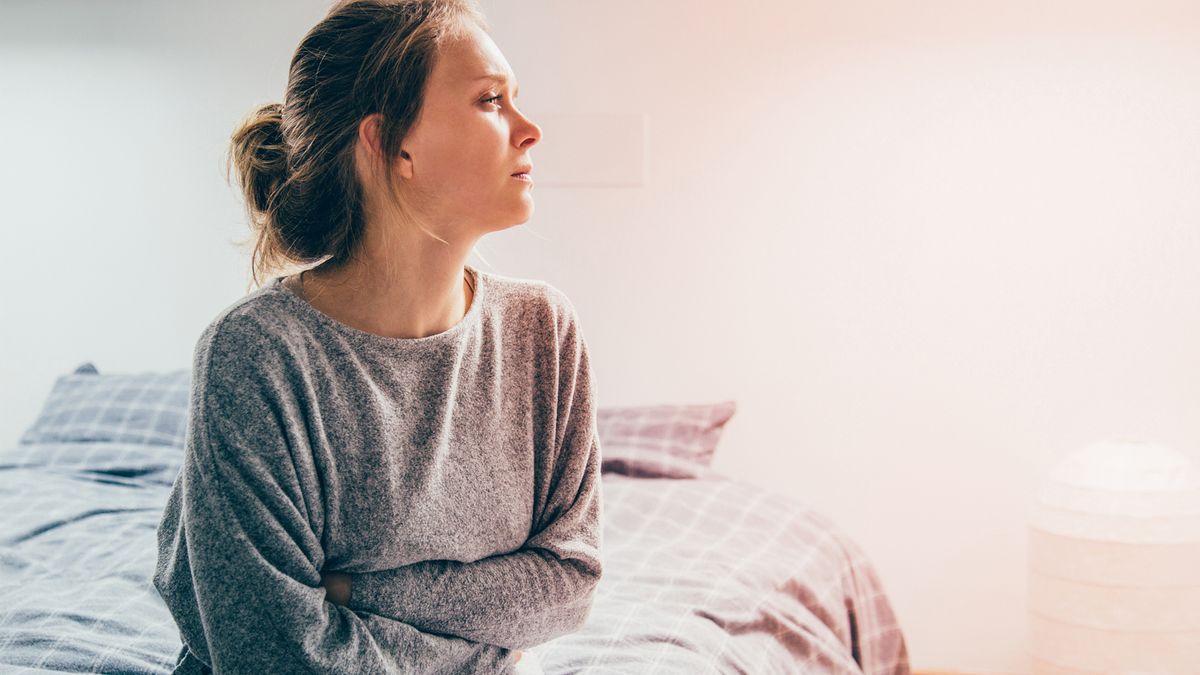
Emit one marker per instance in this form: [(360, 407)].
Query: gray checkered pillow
[(661, 441), (84, 406)]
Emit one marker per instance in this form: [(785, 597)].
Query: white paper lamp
[(1114, 563)]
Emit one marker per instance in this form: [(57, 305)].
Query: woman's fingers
[(337, 587)]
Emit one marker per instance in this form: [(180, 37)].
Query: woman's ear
[(368, 149), (368, 134)]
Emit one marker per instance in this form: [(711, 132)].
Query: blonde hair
[(295, 160)]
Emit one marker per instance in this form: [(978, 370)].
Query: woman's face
[(468, 141)]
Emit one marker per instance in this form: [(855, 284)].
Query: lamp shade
[(1114, 562)]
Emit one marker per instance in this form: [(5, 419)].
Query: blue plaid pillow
[(148, 408)]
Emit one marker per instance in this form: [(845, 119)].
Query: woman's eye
[(494, 98)]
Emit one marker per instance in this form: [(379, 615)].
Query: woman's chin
[(526, 213)]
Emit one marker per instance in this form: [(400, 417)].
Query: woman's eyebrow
[(499, 77)]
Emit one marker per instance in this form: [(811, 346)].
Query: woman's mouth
[(522, 176)]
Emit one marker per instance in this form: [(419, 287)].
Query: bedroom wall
[(928, 247)]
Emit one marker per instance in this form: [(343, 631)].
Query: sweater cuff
[(357, 592), (364, 591)]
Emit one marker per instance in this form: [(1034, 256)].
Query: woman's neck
[(416, 305)]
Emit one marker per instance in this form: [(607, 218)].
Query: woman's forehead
[(470, 61)]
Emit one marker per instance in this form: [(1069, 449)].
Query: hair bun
[(260, 152)]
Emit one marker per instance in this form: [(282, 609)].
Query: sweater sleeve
[(239, 560), (545, 589)]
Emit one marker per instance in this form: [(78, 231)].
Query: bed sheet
[(707, 575)]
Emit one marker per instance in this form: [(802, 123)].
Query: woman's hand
[(337, 587)]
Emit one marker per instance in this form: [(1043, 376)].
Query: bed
[(703, 573)]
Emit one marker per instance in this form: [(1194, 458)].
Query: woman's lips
[(522, 176)]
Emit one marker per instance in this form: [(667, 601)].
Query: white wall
[(928, 246)]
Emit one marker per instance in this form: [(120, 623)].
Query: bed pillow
[(661, 441), (151, 408), (148, 408)]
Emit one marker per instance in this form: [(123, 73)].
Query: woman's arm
[(337, 591)]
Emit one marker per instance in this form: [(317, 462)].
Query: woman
[(392, 462)]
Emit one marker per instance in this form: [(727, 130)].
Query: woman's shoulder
[(257, 327), (526, 294)]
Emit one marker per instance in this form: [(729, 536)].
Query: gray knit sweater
[(455, 477)]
